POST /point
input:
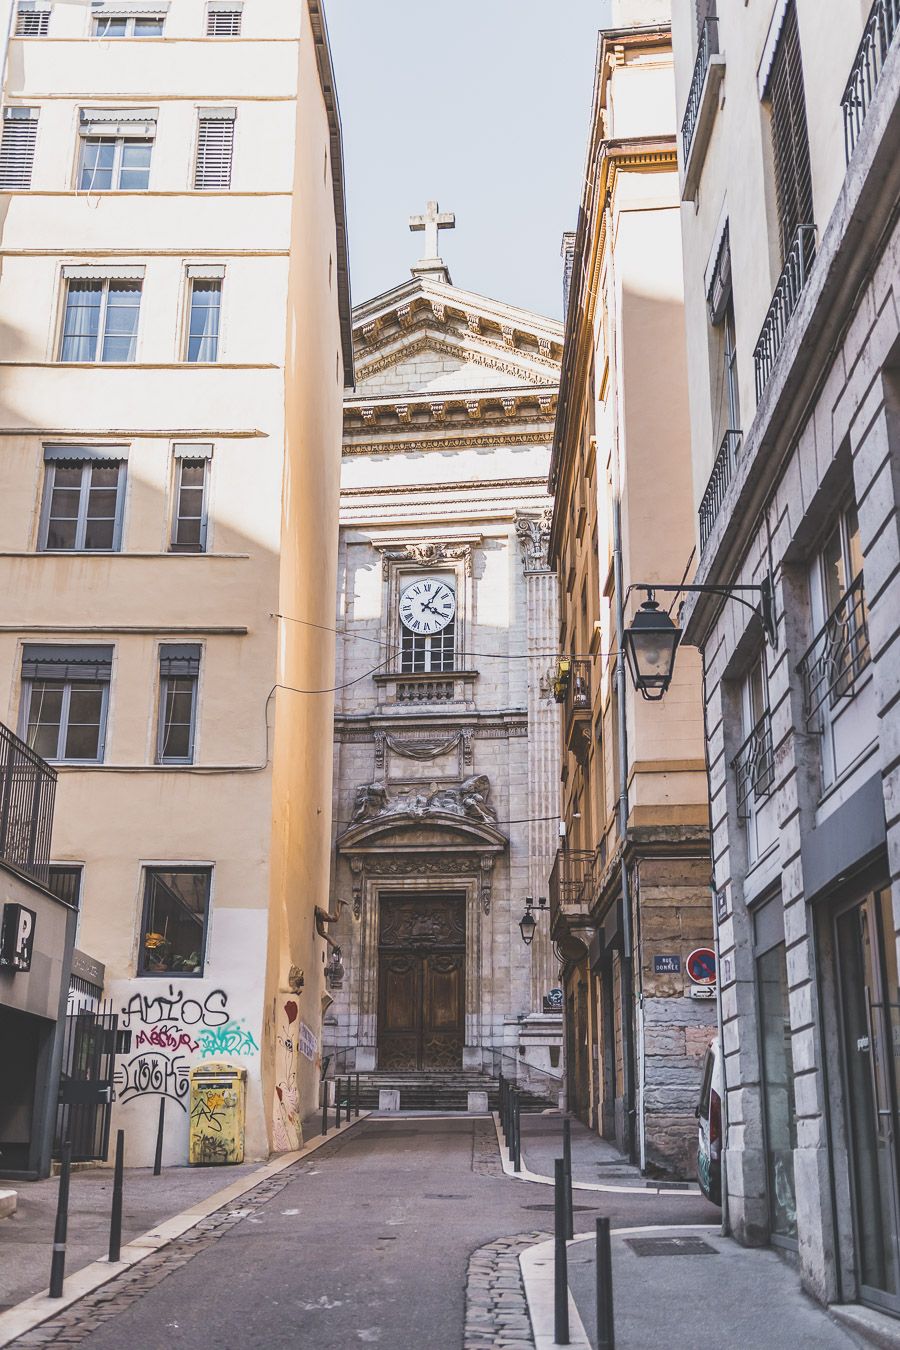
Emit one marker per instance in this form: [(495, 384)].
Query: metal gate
[(86, 1083)]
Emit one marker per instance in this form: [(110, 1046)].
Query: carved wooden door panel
[(421, 982)]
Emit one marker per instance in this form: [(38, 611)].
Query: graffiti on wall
[(170, 1028), (286, 1112), (213, 1136)]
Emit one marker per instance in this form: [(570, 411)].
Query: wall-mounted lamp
[(334, 971), (528, 923)]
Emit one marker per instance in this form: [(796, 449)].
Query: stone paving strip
[(101, 1291), (496, 1306)]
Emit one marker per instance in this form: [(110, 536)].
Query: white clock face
[(427, 606)]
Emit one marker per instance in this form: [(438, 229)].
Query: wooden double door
[(421, 981)]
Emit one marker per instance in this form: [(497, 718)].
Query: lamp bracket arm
[(765, 607)]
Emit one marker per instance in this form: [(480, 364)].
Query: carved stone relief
[(469, 799), (534, 536), (428, 554)]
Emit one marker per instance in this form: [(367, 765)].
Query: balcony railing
[(721, 476), (754, 767), (707, 46), (836, 657), (571, 883), (794, 274), (27, 789), (880, 30)]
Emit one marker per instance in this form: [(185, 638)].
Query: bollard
[(337, 1103), (606, 1333), (517, 1132), (115, 1218), (567, 1159), (324, 1106), (501, 1082), (560, 1265), (356, 1112), (58, 1259), (157, 1161)]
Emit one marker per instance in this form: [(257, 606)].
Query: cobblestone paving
[(496, 1310), (485, 1153), (112, 1298)]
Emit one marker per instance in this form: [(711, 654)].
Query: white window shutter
[(215, 145), (222, 21), (17, 147)]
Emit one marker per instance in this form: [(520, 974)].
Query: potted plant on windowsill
[(157, 953)]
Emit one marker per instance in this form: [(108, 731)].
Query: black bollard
[(58, 1259), (115, 1218), (356, 1113), (560, 1268), (324, 1105), (517, 1131), (337, 1103), (160, 1130), (502, 1111), (567, 1159), (606, 1333)]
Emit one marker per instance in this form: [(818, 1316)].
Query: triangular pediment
[(438, 362)]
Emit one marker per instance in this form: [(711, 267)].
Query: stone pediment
[(409, 834), (441, 362)]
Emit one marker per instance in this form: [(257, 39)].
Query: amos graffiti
[(176, 1006)]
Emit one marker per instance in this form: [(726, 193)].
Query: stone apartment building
[(445, 809), (630, 888), (790, 176), (175, 344)]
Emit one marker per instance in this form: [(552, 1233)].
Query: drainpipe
[(619, 585)]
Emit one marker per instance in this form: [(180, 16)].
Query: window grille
[(17, 147), (32, 21), (223, 22), (215, 147), (790, 138)]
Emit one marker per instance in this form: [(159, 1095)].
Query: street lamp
[(650, 644), (528, 923), (334, 971), (652, 640)]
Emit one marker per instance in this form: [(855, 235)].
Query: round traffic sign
[(701, 966)]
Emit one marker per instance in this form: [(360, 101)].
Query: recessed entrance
[(421, 980)]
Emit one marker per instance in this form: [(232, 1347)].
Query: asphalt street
[(367, 1243)]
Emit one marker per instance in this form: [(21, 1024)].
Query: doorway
[(421, 981), (870, 1015)]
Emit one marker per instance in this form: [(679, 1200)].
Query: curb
[(652, 1192), (31, 1312)]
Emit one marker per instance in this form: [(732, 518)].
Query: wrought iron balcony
[(880, 30), (794, 274), (721, 476), (836, 657), (571, 885), (707, 46), (27, 790), (754, 767)]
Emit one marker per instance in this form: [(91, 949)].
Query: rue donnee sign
[(667, 965)]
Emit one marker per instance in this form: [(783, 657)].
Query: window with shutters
[(65, 694), (204, 311), (100, 319), (65, 880), (116, 145), (189, 515), (215, 147), (179, 672), (83, 501), (128, 25), (223, 20), (17, 148), (790, 139), (32, 20)]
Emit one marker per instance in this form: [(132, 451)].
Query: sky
[(480, 104)]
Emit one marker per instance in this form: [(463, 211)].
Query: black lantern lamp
[(334, 971), (650, 645), (528, 922)]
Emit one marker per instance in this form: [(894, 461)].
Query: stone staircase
[(432, 1090)]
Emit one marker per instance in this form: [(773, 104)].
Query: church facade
[(445, 804)]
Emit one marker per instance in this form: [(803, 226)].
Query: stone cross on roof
[(433, 220)]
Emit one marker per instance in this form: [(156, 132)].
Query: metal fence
[(880, 30), (27, 790), (754, 767), (794, 275), (837, 656), (707, 46), (721, 476)]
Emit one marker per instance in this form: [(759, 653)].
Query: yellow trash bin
[(218, 1109)]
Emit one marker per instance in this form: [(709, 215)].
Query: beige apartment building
[(630, 887), (175, 344), (790, 126)]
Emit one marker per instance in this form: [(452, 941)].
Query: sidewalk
[(593, 1159), (741, 1298)]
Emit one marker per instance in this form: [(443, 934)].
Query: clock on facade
[(427, 606)]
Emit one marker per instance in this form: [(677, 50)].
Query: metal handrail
[(499, 1056), (707, 46), (754, 766), (330, 1057), (721, 476), (837, 655), (797, 266), (881, 28), (27, 792)]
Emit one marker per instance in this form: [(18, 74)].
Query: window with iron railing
[(789, 288), (790, 136), (881, 29), (754, 763), (707, 46)]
